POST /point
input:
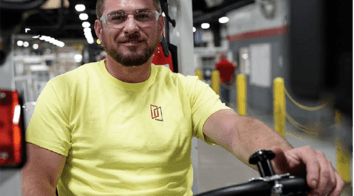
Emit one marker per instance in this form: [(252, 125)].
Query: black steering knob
[(262, 159)]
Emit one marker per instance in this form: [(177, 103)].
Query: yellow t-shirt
[(122, 138)]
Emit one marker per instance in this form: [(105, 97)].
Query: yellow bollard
[(198, 73), (215, 81), (343, 157), (241, 95), (337, 118), (279, 106)]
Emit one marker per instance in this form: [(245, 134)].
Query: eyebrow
[(122, 11)]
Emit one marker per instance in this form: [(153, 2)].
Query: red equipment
[(12, 140)]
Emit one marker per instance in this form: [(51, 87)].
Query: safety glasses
[(142, 18)]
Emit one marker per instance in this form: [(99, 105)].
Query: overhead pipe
[(221, 12), (21, 6), (58, 26)]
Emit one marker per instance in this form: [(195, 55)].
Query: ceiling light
[(25, 44), (78, 58), (51, 40), (20, 43), (194, 29), (87, 30), (86, 24), (224, 19), (83, 16), (205, 26), (80, 7), (44, 37), (88, 35), (90, 40), (35, 46), (56, 42), (54, 4), (61, 44)]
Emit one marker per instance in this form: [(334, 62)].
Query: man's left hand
[(321, 176)]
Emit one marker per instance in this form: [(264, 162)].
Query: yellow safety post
[(279, 106), (343, 157), (215, 81), (198, 73), (241, 95)]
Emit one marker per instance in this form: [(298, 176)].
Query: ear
[(98, 29), (161, 24)]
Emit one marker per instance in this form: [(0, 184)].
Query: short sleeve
[(49, 127), (204, 102)]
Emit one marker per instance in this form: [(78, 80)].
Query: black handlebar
[(268, 184), (294, 186), (250, 188)]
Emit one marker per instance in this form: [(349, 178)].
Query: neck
[(133, 74)]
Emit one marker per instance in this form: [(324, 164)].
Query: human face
[(132, 44)]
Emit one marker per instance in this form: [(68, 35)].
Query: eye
[(117, 17), (144, 16)]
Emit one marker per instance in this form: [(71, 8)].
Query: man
[(123, 126), (226, 70)]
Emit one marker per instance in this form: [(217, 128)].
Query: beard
[(132, 59)]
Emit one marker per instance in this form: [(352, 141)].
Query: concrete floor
[(218, 168)]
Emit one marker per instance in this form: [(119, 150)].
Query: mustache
[(131, 40)]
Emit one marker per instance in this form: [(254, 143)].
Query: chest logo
[(156, 112)]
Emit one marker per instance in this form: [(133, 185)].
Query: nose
[(130, 25)]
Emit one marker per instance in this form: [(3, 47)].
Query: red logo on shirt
[(156, 112)]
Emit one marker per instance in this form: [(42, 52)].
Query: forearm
[(252, 135)]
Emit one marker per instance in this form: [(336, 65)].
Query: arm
[(42, 171), (242, 136)]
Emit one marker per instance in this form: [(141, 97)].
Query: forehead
[(127, 5)]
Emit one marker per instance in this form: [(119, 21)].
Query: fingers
[(340, 185), (332, 172), (279, 161), (321, 176), (326, 180), (308, 156)]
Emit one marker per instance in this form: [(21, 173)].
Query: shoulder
[(83, 72), (166, 74), (188, 84), (75, 80)]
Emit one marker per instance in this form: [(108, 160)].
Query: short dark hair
[(99, 6)]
